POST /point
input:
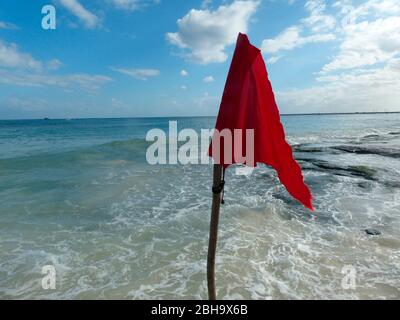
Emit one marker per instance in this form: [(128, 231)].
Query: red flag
[(248, 103)]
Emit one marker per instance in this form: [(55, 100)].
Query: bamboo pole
[(212, 244)]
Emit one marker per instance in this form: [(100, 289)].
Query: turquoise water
[(79, 195)]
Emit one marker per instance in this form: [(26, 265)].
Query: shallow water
[(79, 195)]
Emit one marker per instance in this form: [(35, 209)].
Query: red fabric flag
[(248, 103)]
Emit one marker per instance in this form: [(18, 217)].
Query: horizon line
[(150, 117)]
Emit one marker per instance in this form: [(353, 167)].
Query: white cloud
[(318, 20), (206, 4), (89, 19), (54, 64), (25, 104), (207, 102), (184, 73), (364, 74), (208, 79), (359, 90), (141, 74), (12, 57), (367, 9), (184, 88), (69, 81), (273, 59), (205, 34), (367, 43), (317, 27), (291, 38), (21, 69), (132, 4), (87, 81), (7, 25), (126, 4)]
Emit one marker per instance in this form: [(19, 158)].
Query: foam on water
[(115, 227)]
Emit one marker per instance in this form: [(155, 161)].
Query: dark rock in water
[(365, 185), (372, 232), (362, 171), (369, 136), (385, 152), (302, 148), (392, 184), (307, 148), (341, 170)]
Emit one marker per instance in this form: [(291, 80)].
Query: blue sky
[(133, 58)]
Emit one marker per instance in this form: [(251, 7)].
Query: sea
[(83, 215)]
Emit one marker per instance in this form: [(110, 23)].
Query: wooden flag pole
[(212, 243)]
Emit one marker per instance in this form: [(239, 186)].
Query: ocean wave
[(117, 228)]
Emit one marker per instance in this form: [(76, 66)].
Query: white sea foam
[(114, 227)]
